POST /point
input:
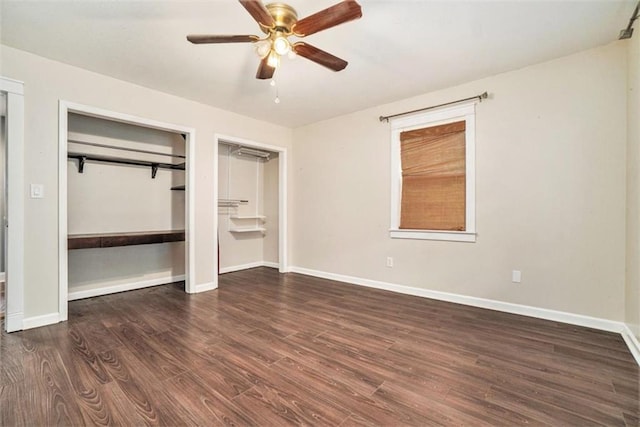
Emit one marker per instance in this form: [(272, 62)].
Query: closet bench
[(109, 240)]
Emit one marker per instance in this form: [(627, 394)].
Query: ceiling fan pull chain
[(277, 99)]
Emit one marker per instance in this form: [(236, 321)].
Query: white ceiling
[(396, 50)]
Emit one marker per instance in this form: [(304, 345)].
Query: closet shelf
[(248, 230), (109, 240), (82, 158), (231, 202), (248, 217), (178, 188)]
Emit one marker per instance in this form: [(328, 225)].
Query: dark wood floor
[(268, 349)]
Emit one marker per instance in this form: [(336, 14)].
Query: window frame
[(437, 117)]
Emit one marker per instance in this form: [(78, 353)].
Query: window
[(433, 175)]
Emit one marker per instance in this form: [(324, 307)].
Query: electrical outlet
[(389, 261), (516, 276)]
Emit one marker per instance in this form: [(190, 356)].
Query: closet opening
[(251, 205), (126, 208)]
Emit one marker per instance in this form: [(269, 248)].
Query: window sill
[(452, 236)]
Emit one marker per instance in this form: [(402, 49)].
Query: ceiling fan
[(279, 21)]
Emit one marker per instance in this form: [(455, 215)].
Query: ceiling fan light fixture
[(263, 47), (281, 45), (273, 60)]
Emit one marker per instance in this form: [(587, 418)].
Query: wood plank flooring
[(268, 349)]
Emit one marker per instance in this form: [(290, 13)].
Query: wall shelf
[(109, 240), (82, 158), (248, 230), (231, 203), (250, 223)]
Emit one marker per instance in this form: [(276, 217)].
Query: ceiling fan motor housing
[(284, 16)]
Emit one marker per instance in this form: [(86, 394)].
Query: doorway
[(251, 213)]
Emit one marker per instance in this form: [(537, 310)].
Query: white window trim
[(459, 112)]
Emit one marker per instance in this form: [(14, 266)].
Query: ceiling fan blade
[(264, 70), (215, 38), (259, 12), (318, 56), (345, 11)]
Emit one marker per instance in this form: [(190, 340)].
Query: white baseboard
[(38, 321), (14, 322), (632, 342), (203, 287), (271, 264), (248, 266), (525, 310), (75, 294)]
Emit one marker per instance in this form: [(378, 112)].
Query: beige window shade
[(433, 178)]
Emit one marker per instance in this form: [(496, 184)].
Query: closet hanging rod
[(232, 201), (134, 150), (82, 158), (246, 151)]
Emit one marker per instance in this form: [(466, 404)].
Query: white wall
[(633, 186), (110, 198), (550, 174), (46, 82)]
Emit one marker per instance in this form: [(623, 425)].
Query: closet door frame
[(66, 107), (14, 278), (283, 265)]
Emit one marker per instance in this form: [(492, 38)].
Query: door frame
[(66, 107), (14, 277), (283, 262)]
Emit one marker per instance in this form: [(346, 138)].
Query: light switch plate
[(37, 191)]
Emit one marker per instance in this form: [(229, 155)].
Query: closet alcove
[(248, 207), (125, 220)]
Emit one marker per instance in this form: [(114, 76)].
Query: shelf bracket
[(154, 170), (81, 161)]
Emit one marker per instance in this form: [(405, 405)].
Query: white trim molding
[(76, 294), (15, 204), (14, 321), (465, 112), (524, 310), (38, 321), (248, 266), (632, 342), (204, 287)]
